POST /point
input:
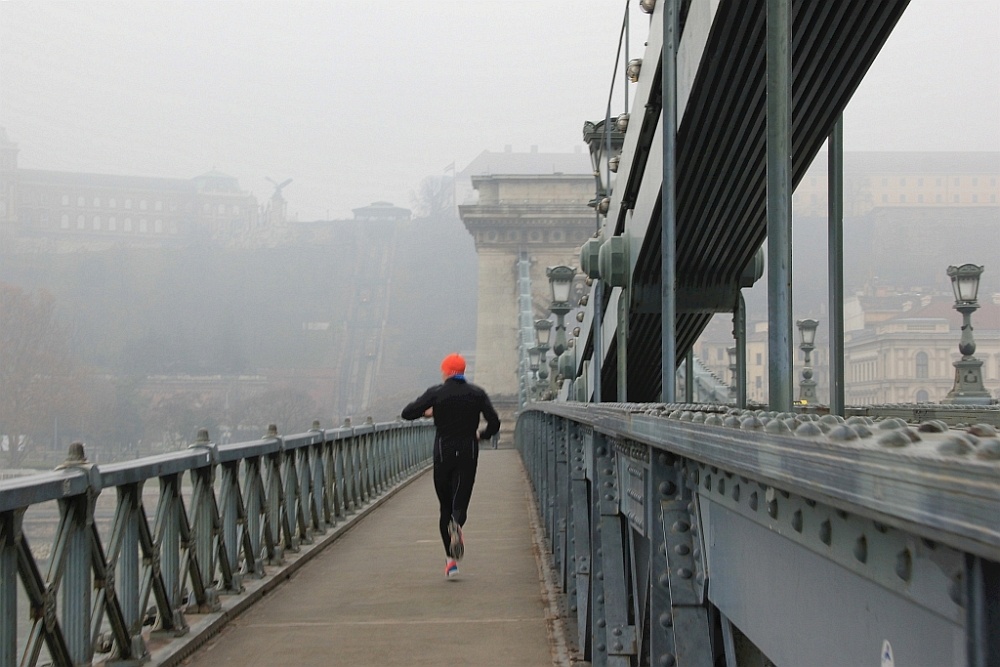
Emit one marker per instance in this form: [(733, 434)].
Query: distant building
[(377, 218), (898, 348), (56, 211), (907, 358), (904, 179)]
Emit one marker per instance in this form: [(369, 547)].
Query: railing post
[(581, 532), (320, 488), (682, 544), (561, 492), (274, 522), (254, 486), (203, 529), (231, 513), (663, 487), (168, 535), (597, 626), (127, 571), (614, 639), (9, 530), (289, 496), (340, 498)]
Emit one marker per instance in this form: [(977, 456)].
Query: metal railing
[(223, 514), (706, 535)]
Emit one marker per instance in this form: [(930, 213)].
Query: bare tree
[(173, 420), (37, 373), (435, 198), (292, 410)]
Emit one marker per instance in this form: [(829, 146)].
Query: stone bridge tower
[(545, 215)]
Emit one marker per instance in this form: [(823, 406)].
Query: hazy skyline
[(359, 101)]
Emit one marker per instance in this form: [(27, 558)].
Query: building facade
[(55, 211)]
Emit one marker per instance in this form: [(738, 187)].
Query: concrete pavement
[(378, 595)]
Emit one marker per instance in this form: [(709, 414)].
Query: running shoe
[(451, 569), (457, 547)]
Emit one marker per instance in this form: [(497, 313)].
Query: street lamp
[(604, 140), (731, 351), (534, 359), (543, 331), (807, 386), (968, 387), (560, 282)]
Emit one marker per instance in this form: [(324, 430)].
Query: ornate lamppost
[(807, 386), (561, 282), (604, 140), (968, 387)]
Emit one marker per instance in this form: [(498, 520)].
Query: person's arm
[(417, 408), (492, 419)]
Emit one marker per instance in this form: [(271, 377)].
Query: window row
[(938, 199), (144, 205), (939, 181), (111, 225)]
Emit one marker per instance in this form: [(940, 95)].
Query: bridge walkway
[(378, 595)]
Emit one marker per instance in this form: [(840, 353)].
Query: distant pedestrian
[(456, 406)]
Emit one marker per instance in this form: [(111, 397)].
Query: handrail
[(222, 513)]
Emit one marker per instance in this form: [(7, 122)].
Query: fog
[(355, 102)]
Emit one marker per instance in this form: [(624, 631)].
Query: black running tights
[(453, 480)]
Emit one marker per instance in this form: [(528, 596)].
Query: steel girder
[(720, 158), (776, 535)]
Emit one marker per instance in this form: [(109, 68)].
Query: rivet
[(682, 549), (684, 573)]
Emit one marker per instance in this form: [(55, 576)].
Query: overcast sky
[(357, 100)]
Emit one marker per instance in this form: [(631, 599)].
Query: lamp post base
[(968, 388)]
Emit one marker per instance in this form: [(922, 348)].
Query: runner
[(456, 406)]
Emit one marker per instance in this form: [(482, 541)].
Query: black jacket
[(457, 406)]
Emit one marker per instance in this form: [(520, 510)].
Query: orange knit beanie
[(453, 364)]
